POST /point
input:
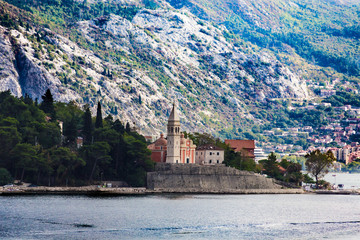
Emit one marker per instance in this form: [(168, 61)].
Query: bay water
[(179, 216)]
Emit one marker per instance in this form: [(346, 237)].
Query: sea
[(348, 180), (181, 216)]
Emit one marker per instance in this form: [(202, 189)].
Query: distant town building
[(259, 154), (209, 154), (327, 92)]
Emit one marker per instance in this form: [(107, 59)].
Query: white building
[(209, 155), (259, 154)]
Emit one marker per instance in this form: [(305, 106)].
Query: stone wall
[(201, 178)]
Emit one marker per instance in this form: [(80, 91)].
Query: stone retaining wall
[(202, 178)]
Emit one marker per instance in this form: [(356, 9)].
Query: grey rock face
[(8, 73)]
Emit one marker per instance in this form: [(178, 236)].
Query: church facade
[(176, 148)]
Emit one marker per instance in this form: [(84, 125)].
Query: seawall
[(193, 178)]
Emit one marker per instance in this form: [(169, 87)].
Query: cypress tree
[(47, 104), (127, 128), (87, 128), (98, 122)]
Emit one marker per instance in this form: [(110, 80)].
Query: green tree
[(97, 158), (24, 156), (64, 163), (5, 176), (318, 163), (71, 116), (137, 160), (127, 128), (271, 166), (9, 137), (293, 173), (99, 120), (47, 104), (49, 134), (87, 127)]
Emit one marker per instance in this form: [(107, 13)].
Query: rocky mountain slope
[(137, 57), (319, 39)]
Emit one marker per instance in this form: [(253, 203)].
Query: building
[(187, 150), (209, 155), (176, 148), (158, 149), (246, 147), (259, 154)]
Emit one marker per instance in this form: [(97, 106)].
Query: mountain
[(319, 39), (225, 63)]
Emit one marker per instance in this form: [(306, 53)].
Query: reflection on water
[(177, 216)]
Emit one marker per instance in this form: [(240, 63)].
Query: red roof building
[(158, 149), (247, 147)]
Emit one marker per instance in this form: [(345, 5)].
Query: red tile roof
[(237, 145)]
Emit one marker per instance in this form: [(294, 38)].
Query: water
[(350, 181), (305, 216)]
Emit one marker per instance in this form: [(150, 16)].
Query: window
[(176, 161), (209, 161), (217, 161), (187, 160), (218, 153), (210, 153)]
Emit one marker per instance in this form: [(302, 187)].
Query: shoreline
[(96, 191), (141, 191)]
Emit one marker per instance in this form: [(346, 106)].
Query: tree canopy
[(33, 149), (318, 163)]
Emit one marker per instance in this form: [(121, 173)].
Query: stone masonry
[(205, 179)]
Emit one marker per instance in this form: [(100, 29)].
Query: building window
[(196, 153), (187, 160), (176, 161), (217, 161), (210, 153), (218, 153), (209, 161)]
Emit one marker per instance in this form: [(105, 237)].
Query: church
[(176, 148)]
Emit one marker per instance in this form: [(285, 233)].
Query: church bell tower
[(173, 137)]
